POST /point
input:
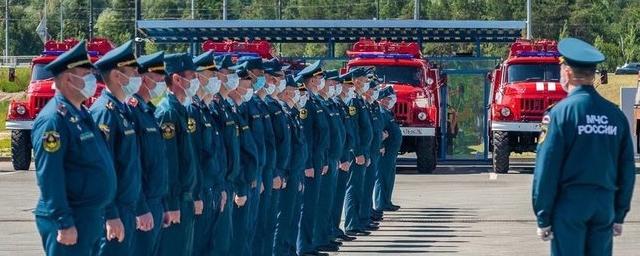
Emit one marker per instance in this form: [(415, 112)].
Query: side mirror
[(604, 76), (12, 74), (489, 76)]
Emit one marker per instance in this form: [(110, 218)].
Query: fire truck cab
[(416, 83), (522, 89), (22, 113)]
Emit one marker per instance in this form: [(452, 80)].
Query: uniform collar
[(583, 89), (173, 101), (70, 108), (143, 104), (118, 104)]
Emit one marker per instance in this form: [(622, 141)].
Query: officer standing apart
[(177, 235), (74, 170), (119, 70), (585, 170), (391, 144), (149, 210)]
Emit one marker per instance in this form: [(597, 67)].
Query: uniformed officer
[(392, 140), (278, 144), (359, 111), (177, 235), (119, 71), (344, 98), (323, 231), (149, 210), (585, 170), (316, 132), (210, 144), (224, 111), (74, 170), (287, 223), (366, 208), (246, 185)]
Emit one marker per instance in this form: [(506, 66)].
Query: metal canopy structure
[(331, 31)]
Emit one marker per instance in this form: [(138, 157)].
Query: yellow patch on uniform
[(303, 113), (51, 141), (191, 125), (543, 133), (105, 129), (168, 130), (352, 111)]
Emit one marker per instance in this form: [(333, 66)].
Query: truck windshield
[(40, 73), (533, 72), (399, 74)]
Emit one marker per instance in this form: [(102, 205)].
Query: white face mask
[(321, 85), (282, 85), (89, 85), (213, 85), (194, 84), (132, 86), (331, 92), (303, 101), (296, 97), (270, 88), (232, 82), (392, 102), (187, 101), (247, 96), (158, 90), (365, 87), (338, 89)]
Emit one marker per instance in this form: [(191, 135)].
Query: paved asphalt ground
[(457, 211)]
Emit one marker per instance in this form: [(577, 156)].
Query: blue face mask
[(260, 82)]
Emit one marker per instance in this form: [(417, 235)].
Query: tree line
[(612, 25)]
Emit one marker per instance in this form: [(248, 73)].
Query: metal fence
[(15, 61)]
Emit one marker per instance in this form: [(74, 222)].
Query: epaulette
[(133, 102), (62, 109)]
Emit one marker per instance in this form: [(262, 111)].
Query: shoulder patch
[(352, 111), (62, 110), (51, 141), (168, 130), (303, 113), (191, 125)]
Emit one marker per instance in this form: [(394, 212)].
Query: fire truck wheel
[(426, 154), (21, 149), (501, 151)]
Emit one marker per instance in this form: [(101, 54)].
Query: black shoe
[(313, 253), (346, 238), (371, 228), (336, 243), (328, 248), (376, 218), (392, 208), (357, 232), (374, 223)]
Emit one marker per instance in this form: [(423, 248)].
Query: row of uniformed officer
[(236, 159)]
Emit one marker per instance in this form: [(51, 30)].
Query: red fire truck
[(22, 113), (417, 85), (522, 88), (237, 49)]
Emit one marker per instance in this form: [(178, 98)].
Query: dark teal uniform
[(387, 164), (154, 174), (114, 120), (366, 207), (249, 166), (263, 240), (316, 126), (230, 132), (322, 229), (347, 155), (207, 137), (172, 116), (75, 174), (359, 111), (571, 173), (585, 169)]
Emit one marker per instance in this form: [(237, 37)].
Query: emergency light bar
[(237, 54), (58, 53), (385, 56), (537, 54)]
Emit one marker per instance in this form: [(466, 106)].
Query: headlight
[(430, 81), (422, 116), (505, 112), (21, 110)]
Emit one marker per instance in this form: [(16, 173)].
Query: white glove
[(545, 234), (617, 229)]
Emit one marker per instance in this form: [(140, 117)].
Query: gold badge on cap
[(168, 130), (191, 125), (352, 111), (303, 113), (51, 141)]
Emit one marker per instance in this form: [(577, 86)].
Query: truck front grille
[(533, 109), (40, 102), (401, 111)]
